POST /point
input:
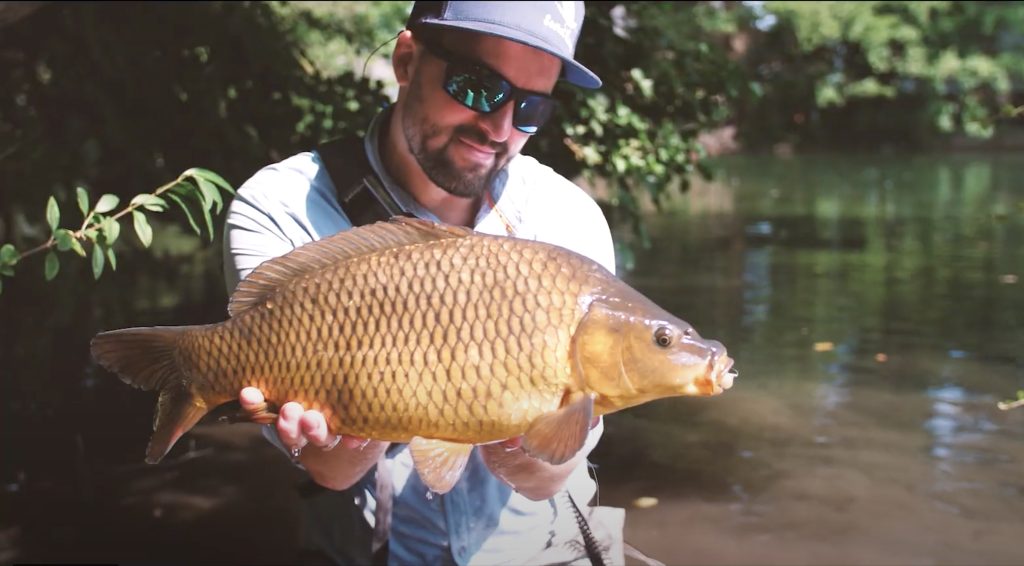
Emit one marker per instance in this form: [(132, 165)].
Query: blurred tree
[(119, 98), (668, 76), (339, 36), (882, 72)]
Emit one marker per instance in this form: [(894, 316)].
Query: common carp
[(415, 332)]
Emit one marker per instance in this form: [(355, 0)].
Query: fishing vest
[(360, 191)]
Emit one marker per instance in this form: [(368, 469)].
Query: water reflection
[(873, 308), (757, 287), (958, 423)]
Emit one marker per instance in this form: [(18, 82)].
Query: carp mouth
[(722, 373), (715, 378)]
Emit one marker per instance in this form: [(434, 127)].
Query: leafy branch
[(1007, 405), (101, 229)]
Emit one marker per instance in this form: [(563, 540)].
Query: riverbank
[(723, 141)]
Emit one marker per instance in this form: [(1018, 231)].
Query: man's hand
[(298, 427), (332, 464), (533, 478)]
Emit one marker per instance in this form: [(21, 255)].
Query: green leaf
[(188, 213), (111, 229), (150, 202), (8, 255), (112, 258), (210, 194), (52, 265), (7, 270), (142, 228), (52, 214), (208, 220), (77, 247), (646, 85), (83, 200), (204, 203), (97, 261), (63, 237), (210, 176), (156, 204), (107, 203)]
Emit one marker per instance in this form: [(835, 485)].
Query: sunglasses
[(484, 90)]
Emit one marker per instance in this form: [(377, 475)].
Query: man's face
[(459, 149)]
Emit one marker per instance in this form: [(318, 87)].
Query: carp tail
[(146, 358)]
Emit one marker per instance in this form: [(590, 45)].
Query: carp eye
[(663, 336)]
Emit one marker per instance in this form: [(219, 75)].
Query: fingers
[(298, 427), (311, 427), (253, 408), (250, 398), (314, 428), (288, 428)]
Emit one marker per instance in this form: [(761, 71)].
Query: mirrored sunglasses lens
[(532, 112), (477, 91)]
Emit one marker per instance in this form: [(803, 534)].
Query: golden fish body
[(408, 330), (466, 340)]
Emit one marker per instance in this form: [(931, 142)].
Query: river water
[(871, 303), (873, 308)]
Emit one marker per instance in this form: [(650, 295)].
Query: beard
[(466, 182)]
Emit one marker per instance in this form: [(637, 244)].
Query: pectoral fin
[(439, 463), (556, 437)]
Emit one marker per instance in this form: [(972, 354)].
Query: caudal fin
[(145, 358)]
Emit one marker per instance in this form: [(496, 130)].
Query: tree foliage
[(865, 73), (196, 192), (114, 98)]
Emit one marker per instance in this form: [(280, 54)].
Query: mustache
[(479, 137)]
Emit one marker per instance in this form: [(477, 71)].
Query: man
[(473, 83)]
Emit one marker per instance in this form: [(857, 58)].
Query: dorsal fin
[(397, 232)]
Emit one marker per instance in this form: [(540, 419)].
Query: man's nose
[(498, 124)]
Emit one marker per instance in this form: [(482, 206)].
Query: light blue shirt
[(481, 520)]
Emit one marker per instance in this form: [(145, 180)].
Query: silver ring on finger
[(332, 444)]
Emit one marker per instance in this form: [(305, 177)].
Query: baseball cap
[(552, 27)]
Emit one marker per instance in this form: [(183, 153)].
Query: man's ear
[(404, 58)]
